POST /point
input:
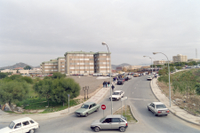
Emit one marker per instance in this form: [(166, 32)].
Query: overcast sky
[(33, 31)]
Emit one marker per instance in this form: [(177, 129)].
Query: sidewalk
[(7, 117), (173, 109)]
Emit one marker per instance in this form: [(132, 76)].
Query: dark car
[(120, 81)]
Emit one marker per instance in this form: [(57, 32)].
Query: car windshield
[(84, 106), (123, 117), (102, 119), (11, 125), (115, 93), (160, 106)]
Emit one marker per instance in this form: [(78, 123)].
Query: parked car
[(149, 78), (120, 81), (158, 108), (22, 125), (118, 94), (110, 122), (87, 108)]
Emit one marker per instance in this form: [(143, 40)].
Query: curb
[(171, 110)]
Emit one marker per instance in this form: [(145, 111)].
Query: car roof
[(113, 116), (22, 119), (118, 91), (157, 103), (89, 103)]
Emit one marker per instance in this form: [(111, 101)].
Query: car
[(110, 122), (87, 108), (158, 108), (22, 125), (118, 94), (120, 81), (149, 78)]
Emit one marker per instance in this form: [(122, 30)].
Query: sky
[(34, 31)]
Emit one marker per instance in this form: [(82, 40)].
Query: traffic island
[(126, 111)]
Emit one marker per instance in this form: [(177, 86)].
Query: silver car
[(110, 122), (158, 108)]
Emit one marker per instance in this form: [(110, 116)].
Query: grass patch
[(41, 103), (126, 113)]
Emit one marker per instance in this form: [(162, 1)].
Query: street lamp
[(169, 76), (103, 43), (151, 63)]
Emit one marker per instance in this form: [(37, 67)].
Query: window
[(116, 120), (25, 123), (18, 125), (32, 121), (108, 120)]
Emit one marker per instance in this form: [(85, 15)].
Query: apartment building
[(79, 63), (180, 58), (61, 64), (102, 62), (49, 67)]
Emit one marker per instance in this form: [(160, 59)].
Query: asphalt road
[(139, 95)]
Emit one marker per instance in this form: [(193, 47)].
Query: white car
[(149, 78), (117, 95), (158, 108), (22, 125)]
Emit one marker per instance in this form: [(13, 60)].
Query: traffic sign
[(103, 106)]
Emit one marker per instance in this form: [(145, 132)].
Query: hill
[(121, 65), (15, 66)]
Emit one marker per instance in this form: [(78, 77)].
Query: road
[(139, 95)]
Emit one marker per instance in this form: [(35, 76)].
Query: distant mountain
[(15, 66), (121, 65)]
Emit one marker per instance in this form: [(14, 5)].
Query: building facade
[(102, 62), (79, 63), (180, 58), (159, 62)]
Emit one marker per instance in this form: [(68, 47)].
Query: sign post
[(123, 99), (68, 101), (103, 107)]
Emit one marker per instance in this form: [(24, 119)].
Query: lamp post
[(151, 63), (103, 43), (169, 76)]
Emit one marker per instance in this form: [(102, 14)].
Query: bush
[(28, 80)]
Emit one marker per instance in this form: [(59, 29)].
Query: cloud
[(42, 30)]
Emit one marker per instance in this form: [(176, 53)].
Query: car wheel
[(97, 110), (32, 131), (96, 129), (148, 109), (155, 114), (86, 114), (122, 129), (166, 114)]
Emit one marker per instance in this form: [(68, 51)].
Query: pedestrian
[(113, 87), (108, 84), (104, 84)]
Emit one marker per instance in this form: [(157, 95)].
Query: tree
[(62, 87), (58, 75), (13, 91), (198, 89), (3, 75), (57, 89), (44, 88), (27, 68)]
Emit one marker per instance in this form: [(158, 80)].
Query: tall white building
[(180, 58)]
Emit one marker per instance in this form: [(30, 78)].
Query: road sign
[(103, 106)]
